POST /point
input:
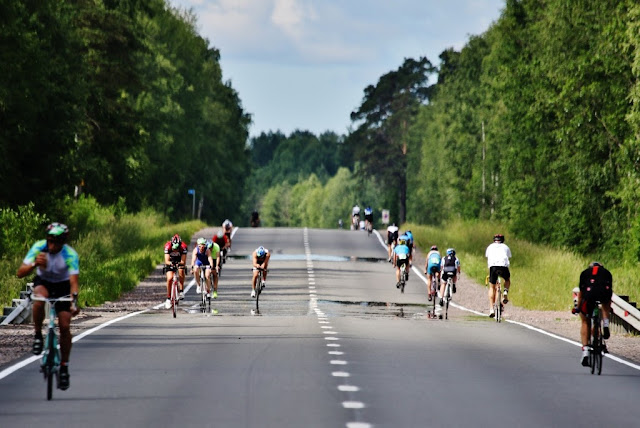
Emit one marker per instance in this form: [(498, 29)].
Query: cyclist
[(260, 259), (596, 284), (255, 219), (498, 254), (175, 252), (227, 226), (201, 259), (223, 243), (355, 217), (392, 239), (401, 257), (410, 245), (449, 267), (432, 268), (57, 271), (368, 218), (215, 269)]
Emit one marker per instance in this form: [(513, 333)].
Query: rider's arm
[(193, 257), (209, 257), (167, 259)]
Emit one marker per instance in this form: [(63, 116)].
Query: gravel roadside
[(15, 340)]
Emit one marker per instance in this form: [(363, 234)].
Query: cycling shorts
[(369, 218), (594, 294), (200, 263), (449, 271), (496, 271), (392, 238), (56, 289), (433, 268), (400, 262)]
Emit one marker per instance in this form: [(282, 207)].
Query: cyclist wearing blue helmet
[(260, 259), (450, 267)]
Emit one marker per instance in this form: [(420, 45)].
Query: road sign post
[(193, 202), (385, 216)]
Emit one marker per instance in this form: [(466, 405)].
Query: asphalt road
[(334, 344)]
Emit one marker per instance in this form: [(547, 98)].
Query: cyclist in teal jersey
[(57, 270)]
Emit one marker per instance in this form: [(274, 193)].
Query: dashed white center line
[(353, 405), (348, 388)]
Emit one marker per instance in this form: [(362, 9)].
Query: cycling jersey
[(402, 254), (392, 234), (215, 250), (433, 262), (222, 241), (201, 257), (596, 284), (498, 254), (175, 255), (356, 211), (449, 266), (59, 266)]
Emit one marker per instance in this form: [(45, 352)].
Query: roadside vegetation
[(542, 276), (116, 249)]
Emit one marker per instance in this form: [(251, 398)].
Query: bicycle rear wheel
[(49, 370), (596, 350)]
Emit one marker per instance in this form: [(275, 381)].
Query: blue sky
[(304, 64)]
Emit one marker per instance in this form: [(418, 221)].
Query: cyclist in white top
[(392, 239), (498, 255), (355, 217)]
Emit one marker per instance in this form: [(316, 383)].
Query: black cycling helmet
[(57, 232), (498, 238)]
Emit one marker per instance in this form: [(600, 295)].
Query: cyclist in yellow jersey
[(215, 270)]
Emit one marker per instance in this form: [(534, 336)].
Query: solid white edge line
[(6, 372), (530, 327)]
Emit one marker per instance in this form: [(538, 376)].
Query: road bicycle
[(174, 286), (50, 363), (498, 307), (597, 346), (447, 297), (204, 300), (259, 285), (404, 276)]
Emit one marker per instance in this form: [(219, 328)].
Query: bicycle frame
[(174, 287), (259, 286), (447, 296), (498, 303), (50, 362), (203, 287)]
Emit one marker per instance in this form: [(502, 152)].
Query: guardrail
[(625, 315)]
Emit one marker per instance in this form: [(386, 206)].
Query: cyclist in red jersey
[(227, 227), (223, 242), (175, 251)]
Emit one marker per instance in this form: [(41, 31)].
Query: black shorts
[(56, 289), (369, 218), (401, 262), (392, 238), (448, 271), (496, 271), (591, 295)]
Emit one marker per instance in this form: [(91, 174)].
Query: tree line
[(533, 123), (118, 99)]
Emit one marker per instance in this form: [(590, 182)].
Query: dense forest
[(118, 99), (533, 123)]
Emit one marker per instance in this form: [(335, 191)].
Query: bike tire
[(595, 349), (258, 292), (174, 300), (49, 369)]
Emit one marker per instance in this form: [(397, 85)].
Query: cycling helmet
[(220, 234), (57, 232), (498, 238), (202, 241), (402, 240), (434, 248), (594, 263), (176, 241), (451, 252), (260, 251), (226, 224)]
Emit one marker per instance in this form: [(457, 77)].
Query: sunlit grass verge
[(113, 258), (542, 277)]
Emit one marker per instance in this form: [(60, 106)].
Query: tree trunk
[(402, 208)]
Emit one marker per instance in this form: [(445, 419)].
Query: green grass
[(542, 277), (113, 257)]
